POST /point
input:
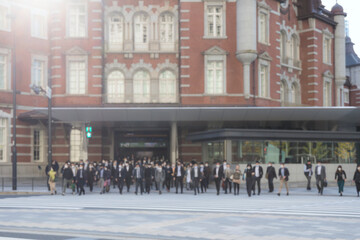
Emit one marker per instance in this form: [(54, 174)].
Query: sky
[(351, 7)]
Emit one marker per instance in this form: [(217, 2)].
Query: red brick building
[(170, 78)]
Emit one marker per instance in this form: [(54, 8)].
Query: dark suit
[(222, 173), (179, 179), (120, 178), (128, 177), (217, 178), (356, 179), (257, 179), (250, 179), (90, 178), (320, 178), (168, 177), (148, 179), (195, 178), (271, 174), (80, 180)]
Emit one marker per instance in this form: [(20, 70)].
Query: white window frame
[(140, 45), (116, 45), (266, 25), (346, 96), (327, 49), (222, 4), (41, 145), (4, 124), (283, 92), (114, 96), (167, 98), (167, 44), (69, 60), (295, 98), (44, 80), (6, 17), (7, 68), (212, 58), (34, 31), (327, 92), (265, 64), (68, 23), (82, 154), (283, 47), (143, 98)]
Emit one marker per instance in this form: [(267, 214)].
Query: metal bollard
[(32, 184)]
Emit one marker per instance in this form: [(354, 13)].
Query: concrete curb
[(24, 193)]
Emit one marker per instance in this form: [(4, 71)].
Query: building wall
[(187, 60)]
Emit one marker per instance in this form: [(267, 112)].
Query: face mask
[(282, 166), (81, 167), (248, 167), (339, 169), (66, 166), (269, 165)]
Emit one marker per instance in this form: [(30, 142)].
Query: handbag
[(325, 183)]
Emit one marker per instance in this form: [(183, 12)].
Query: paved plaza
[(302, 215)]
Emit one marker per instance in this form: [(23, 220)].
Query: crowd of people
[(148, 175)]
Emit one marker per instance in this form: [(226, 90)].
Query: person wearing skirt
[(340, 176)]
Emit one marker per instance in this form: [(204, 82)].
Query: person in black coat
[(356, 179), (270, 175), (138, 175), (250, 178), (120, 177), (308, 172), (320, 175), (107, 180), (168, 176), (179, 177), (284, 178), (222, 173), (91, 176), (81, 179), (67, 178), (128, 175), (218, 175), (258, 173), (114, 172), (148, 178)]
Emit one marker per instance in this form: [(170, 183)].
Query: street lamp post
[(47, 92)]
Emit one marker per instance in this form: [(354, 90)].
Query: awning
[(264, 134), (188, 114)]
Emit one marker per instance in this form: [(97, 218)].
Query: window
[(142, 87), (37, 145), (116, 87), (76, 145), (39, 25), (5, 17), (264, 80), (295, 94), (77, 77), (327, 50), (167, 31), (3, 71), (327, 92), (141, 31), (215, 21), (283, 92), (346, 96), (116, 32), (3, 139), (283, 46), (214, 80), (167, 83), (39, 72), (263, 28), (77, 20)]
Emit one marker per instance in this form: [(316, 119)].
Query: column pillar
[(173, 143), (228, 150)]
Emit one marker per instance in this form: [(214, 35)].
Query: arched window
[(115, 87), (167, 31), (116, 32), (283, 46), (77, 150), (141, 87), (283, 90), (295, 94), (167, 84), (141, 28)]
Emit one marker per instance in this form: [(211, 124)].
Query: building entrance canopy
[(188, 114)]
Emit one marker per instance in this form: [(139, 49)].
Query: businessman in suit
[(218, 175), (320, 175), (258, 170), (179, 177)]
